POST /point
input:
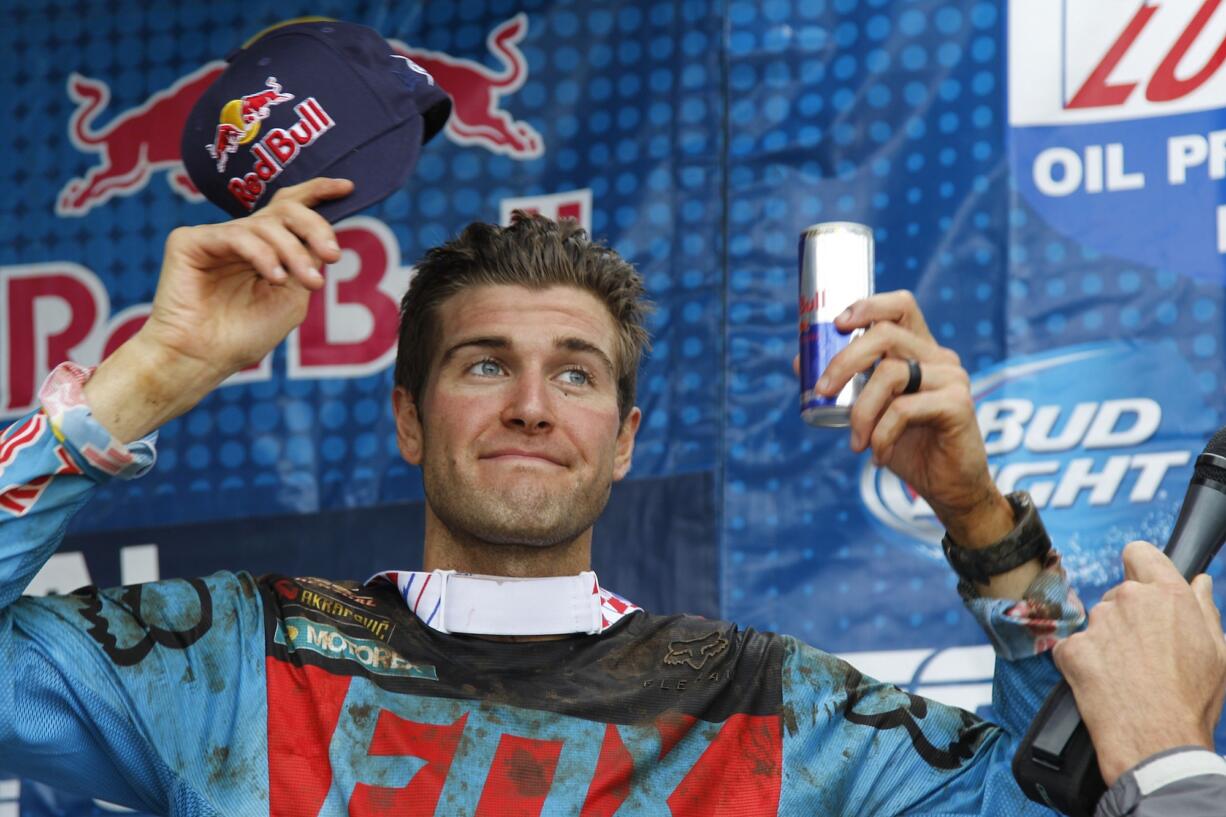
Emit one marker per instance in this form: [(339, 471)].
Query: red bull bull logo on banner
[(146, 139), (477, 115), (135, 144)]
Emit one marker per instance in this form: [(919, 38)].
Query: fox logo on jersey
[(697, 652)]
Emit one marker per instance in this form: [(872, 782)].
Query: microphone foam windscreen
[(1217, 447)]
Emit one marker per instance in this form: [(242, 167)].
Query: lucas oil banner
[(1045, 175), (1117, 131)]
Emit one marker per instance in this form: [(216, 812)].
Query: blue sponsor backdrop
[(708, 135)]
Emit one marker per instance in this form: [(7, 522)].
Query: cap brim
[(377, 169), (435, 107)]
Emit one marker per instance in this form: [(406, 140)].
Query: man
[(1149, 676), (412, 694)]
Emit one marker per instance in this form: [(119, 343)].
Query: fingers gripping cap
[(312, 99)]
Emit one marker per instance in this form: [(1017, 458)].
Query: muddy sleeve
[(853, 745)]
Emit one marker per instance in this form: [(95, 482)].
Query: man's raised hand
[(230, 292), (227, 295), (929, 438)]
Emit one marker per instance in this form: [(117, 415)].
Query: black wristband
[(1028, 540)]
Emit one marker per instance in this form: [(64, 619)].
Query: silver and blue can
[(836, 270)]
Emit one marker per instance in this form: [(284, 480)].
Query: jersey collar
[(452, 602)]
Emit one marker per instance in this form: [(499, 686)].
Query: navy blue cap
[(312, 99)]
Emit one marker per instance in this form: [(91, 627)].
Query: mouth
[(516, 456)]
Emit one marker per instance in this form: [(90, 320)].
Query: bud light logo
[(1116, 137), (1105, 453)]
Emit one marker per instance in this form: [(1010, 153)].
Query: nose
[(528, 406)]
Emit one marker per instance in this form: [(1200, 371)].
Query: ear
[(408, 426), (625, 443)]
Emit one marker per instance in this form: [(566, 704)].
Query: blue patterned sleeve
[(854, 745), (50, 463), (139, 695), (1048, 611), (1023, 631)]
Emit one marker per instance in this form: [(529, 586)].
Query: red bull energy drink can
[(836, 270)]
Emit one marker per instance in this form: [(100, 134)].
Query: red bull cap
[(312, 99)]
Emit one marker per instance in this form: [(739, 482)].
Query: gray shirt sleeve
[(1182, 782)]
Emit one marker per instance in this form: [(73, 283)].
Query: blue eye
[(576, 377), (486, 368)]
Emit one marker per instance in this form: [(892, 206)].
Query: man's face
[(518, 437)]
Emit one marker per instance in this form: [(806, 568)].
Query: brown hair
[(534, 252)]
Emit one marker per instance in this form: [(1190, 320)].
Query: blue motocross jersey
[(232, 694)]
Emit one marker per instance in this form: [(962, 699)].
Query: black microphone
[(1055, 763)]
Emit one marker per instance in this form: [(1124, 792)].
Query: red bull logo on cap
[(240, 121), (273, 153)]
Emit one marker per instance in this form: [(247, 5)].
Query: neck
[(446, 549)]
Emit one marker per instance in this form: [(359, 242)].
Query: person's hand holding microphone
[(1149, 672)]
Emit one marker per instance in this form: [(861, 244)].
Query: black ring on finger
[(914, 377)]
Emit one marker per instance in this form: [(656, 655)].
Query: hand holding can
[(905, 397), (836, 270)]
